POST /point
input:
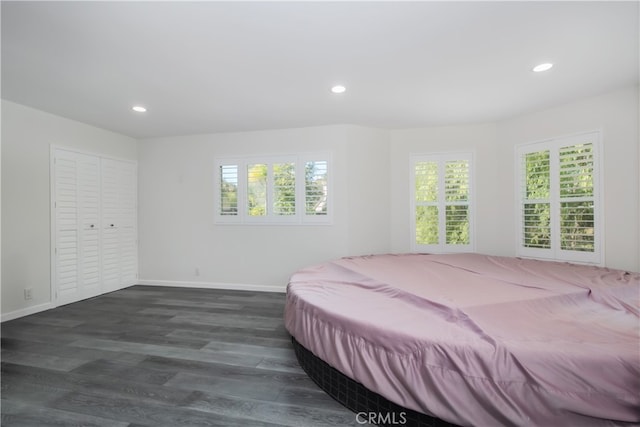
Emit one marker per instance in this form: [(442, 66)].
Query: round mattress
[(477, 340)]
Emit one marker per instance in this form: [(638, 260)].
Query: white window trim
[(300, 217), (442, 157), (555, 253)]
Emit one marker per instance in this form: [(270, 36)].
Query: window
[(441, 203), (558, 194), (288, 190)]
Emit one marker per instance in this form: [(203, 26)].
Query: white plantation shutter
[(316, 188), (577, 208), (536, 209), (559, 198), (283, 186), (228, 195), (294, 189), (456, 195), (257, 178), (426, 208), (441, 203)]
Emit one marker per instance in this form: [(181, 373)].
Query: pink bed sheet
[(478, 340)]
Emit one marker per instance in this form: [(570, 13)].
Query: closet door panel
[(66, 214), (110, 248), (129, 265), (89, 209), (110, 255), (109, 193), (119, 219)]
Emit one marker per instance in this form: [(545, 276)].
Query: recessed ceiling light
[(138, 109), (542, 67), (338, 89)]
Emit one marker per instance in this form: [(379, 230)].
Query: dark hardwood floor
[(157, 356)]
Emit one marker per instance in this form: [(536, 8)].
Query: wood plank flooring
[(157, 356)]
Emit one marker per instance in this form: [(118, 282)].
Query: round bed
[(470, 339)]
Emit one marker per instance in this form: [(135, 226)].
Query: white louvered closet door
[(119, 219), (76, 205), (110, 253), (66, 252), (89, 227), (95, 217)]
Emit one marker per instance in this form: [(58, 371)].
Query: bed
[(479, 340)]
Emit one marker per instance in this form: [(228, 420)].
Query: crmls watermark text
[(382, 418)]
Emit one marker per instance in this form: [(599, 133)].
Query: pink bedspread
[(478, 340)]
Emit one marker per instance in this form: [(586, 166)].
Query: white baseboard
[(26, 311), (211, 285)]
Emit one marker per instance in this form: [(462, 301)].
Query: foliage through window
[(559, 198), (287, 189), (441, 202)]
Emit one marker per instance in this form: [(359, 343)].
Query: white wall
[(176, 229), (369, 190), (616, 114), (177, 233), (27, 135)]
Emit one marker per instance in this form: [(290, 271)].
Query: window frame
[(300, 217), (554, 146), (442, 158)]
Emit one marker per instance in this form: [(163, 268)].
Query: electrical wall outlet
[(197, 272), (28, 293)]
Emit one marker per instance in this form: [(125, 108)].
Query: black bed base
[(366, 404)]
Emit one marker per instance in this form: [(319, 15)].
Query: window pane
[(229, 190), (537, 230), (576, 171), (457, 224), (315, 177), (284, 189), (577, 226), (426, 175), (257, 190), (537, 175), (456, 181), (559, 199), (427, 225)]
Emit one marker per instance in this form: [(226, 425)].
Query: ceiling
[(205, 67)]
